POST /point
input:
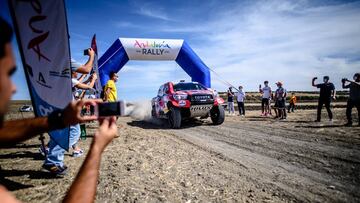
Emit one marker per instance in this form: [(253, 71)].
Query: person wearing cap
[(54, 161), (280, 96), (354, 97), (327, 93)]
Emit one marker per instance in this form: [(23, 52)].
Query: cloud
[(282, 40), (152, 11)]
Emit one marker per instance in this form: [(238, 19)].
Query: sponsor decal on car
[(182, 103), (200, 110)]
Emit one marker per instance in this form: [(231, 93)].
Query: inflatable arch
[(125, 49)]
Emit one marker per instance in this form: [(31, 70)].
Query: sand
[(246, 159)]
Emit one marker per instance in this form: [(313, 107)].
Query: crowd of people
[(279, 96)]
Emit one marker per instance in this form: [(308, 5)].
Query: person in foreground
[(354, 97), (15, 131)]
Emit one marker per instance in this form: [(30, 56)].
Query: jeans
[(56, 153), (327, 106), (351, 104), (291, 107), (241, 107), (231, 107)]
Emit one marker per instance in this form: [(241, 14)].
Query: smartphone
[(107, 109), (86, 52)]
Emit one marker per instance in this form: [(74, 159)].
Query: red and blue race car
[(183, 100)]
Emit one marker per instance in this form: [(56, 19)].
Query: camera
[(86, 52), (110, 109), (343, 80)]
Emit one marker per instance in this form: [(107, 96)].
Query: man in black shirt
[(327, 92), (354, 97)]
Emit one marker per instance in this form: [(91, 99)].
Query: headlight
[(179, 97)]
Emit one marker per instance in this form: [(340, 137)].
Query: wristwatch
[(56, 120)]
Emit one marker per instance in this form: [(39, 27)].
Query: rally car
[(184, 100)]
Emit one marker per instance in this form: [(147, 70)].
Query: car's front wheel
[(153, 112), (217, 115), (174, 118)]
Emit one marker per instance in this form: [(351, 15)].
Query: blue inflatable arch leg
[(193, 65)]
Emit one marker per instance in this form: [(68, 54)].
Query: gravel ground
[(247, 159)]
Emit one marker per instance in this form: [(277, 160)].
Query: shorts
[(264, 101), (280, 104)]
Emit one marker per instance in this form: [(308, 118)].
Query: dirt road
[(251, 159)]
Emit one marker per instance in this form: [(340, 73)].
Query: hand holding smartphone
[(107, 109)]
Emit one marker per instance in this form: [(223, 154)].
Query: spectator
[(110, 92), (280, 97), (354, 97), (292, 102), (230, 95), (54, 161), (75, 131), (78, 84), (327, 91), (240, 96), (87, 67), (266, 95), (15, 131)]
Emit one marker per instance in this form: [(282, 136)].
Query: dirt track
[(250, 159)]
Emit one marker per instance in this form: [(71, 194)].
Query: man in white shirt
[(240, 97), (266, 95)]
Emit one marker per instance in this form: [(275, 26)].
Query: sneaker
[(317, 120), (42, 152), (78, 153), (55, 169), (331, 120)]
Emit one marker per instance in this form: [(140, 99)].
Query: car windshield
[(188, 86)]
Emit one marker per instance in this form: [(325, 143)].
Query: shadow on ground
[(164, 125), (22, 155)]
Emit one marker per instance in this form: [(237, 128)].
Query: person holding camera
[(12, 132), (54, 161), (327, 92), (87, 67), (354, 97), (230, 95)]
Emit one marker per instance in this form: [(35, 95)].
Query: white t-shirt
[(240, 96), (266, 92), (74, 82)]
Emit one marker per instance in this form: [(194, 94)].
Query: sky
[(245, 42)]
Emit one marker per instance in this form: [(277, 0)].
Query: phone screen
[(109, 109)]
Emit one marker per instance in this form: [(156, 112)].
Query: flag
[(43, 40), (93, 44), (97, 85)]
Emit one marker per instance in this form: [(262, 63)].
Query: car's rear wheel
[(174, 118), (217, 115)]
